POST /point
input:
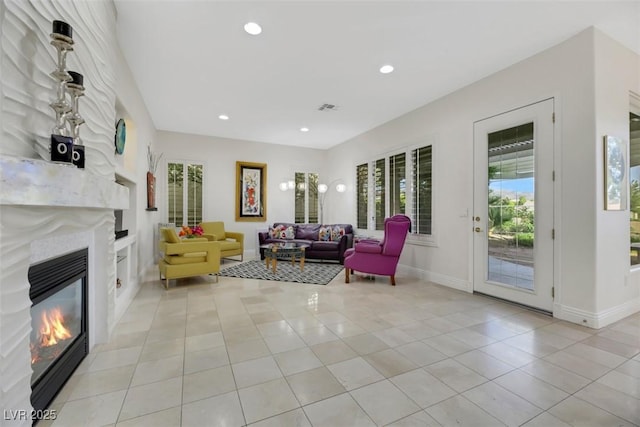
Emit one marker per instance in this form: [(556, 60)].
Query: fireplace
[(59, 333)]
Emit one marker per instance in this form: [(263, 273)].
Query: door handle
[(477, 229)]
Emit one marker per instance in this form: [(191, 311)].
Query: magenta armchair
[(379, 257)]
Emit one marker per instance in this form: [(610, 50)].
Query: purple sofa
[(326, 241)]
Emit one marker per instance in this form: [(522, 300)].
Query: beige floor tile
[(568, 330), (484, 364), (555, 375), (394, 337), (631, 367), (458, 411), (597, 355), (528, 387), (341, 410), (295, 418), (494, 329), (539, 343), (203, 342), (577, 364), (256, 371), (419, 330), (502, 404), (345, 329), (422, 387), (295, 361), (613, 346), (448, 345), (278, 327), (222, 410), (285, 342), (365, 343), (156, 370), (115, 359), (372, 324), (168, 418), (508, 354), (314, 385), (95, 410), (333, 352), (419, 419), (100, 382), (389, 362), (166, 333), (545, 419), (209, 383), (355, 373), (123, 340), (161, 349), (313, 336), (301, 322), (247, 350), (577, 412), (622, 382), (455, 375), (266, 317), (420, 353), (384, 402), (206, 359), (145, 399), (330, 317), (471, 337), (266, 400), (613, 401)]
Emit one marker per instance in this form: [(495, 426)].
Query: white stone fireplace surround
[(47, 210)]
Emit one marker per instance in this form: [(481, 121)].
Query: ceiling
[(192, 61)]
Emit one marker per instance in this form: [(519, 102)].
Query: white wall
[(564, 72), (219, 156), (617, 72)]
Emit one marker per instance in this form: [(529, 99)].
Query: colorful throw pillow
[(336, 233), (324, 235), (288, 233), (274, 233)]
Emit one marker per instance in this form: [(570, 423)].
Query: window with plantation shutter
[(306, 197), (422, 190), (380, 192), (184, 193), (397, 184), (362, 188)]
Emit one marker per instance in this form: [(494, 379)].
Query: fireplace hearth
[(59, 319)]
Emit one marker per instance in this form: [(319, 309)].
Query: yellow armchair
[(231, 243), (188, 257)]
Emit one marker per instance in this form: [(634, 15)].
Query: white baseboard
[(596, 320), (440, 279)]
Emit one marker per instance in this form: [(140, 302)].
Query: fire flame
[(52, 328)]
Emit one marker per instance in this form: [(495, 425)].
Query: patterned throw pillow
[(336, 233), (274, 233), (288, 233), (324, 235)]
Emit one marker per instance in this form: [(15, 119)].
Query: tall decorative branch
[(153, 160)]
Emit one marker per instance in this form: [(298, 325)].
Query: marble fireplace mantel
[(32, 182)]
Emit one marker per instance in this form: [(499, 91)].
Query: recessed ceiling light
[(304, 129), (386, 69), (223, 117), (252, 28)]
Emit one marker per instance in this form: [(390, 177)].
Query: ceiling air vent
[(328, 107)]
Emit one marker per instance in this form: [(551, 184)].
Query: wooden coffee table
[(284, 251)]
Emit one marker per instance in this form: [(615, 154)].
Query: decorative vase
[(151, 190)]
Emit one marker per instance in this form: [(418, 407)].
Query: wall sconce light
[(287, 185)]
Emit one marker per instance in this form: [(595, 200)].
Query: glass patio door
[(513, 206)]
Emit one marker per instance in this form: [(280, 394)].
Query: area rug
[(313, 273)]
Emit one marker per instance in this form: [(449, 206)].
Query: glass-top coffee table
[(284, 251)]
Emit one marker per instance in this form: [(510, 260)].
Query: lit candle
[(76, 78), (62, 28)]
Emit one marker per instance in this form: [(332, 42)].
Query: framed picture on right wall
[(615, 173)]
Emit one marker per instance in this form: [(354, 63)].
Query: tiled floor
[(260, 353)]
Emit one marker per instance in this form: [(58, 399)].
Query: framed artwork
[(251, 191), (615, 173)]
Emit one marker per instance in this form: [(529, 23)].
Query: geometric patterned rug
[(314, 273)]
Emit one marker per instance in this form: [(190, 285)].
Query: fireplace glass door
[(56, 322)]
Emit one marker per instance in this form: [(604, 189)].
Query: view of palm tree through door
[(513, 206)]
